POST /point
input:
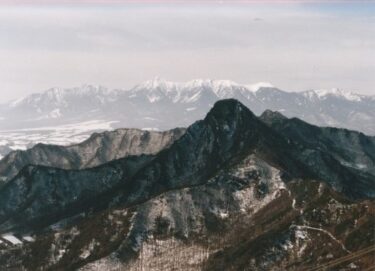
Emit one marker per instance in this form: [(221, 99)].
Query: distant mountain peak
[(58, 95), (155, 83), (335, 92)]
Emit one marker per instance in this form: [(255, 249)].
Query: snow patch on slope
[(12, 239)]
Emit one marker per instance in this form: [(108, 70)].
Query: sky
[(294, 45)]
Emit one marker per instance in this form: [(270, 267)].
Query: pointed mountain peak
[(228, 107), (229, 113)]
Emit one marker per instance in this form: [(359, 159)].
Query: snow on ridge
[(255, 87), (163, 84), (155, 83), (84, 89), (158, 89), (174, 90), (58, 95), (324, 93), (189, 91)]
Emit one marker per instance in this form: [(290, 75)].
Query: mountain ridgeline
[(67, 116), (100, 148), (233, 192)]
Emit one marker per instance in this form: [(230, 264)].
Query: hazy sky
[(295, 45)]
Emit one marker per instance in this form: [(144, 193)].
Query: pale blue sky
[(294, 45)]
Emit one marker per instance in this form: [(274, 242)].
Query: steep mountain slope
[(60, 116), (351, 148), (229, 184), (234, 222), (100, 148)]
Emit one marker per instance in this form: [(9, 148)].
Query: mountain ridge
[(170, 86), (67, 116), (99, 148), (230, 185), (230, 130)]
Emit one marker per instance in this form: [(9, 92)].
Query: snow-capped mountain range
[(65, 116)]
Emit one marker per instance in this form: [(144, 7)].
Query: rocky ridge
[(100, 148), (232, 193)]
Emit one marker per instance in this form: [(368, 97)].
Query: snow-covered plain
[(69, 134)]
